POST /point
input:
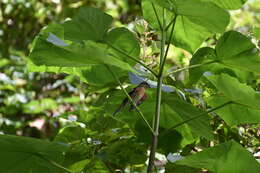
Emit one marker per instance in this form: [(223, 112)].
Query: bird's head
[(144, 84)]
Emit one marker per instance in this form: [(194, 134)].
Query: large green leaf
[(76, 136), (233, 51), (229, 4), (184, 28), (232, 43), (67, 134), (202, 56), (74, 55), (173, 168), (205, 14), (23, 155), (124, 152), (88, 24), (54, 54), (236, 91), (228, 157), (237, 51), (200, 126), (196, 20), (123, 39), (183, 31), (119, 38), (234, 114)]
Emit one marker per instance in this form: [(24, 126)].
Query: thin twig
[(132, 58), (131, 100)]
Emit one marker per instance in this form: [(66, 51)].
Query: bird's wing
[(139, 102), (126, 101)]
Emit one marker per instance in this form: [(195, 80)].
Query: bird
[(137, 94)]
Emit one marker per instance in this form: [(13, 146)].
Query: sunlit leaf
[(234, 114), (228, 157), (236, 91), (198, 19), (88, 24)]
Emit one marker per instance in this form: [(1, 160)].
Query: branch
[(132, 58), (131, 100)]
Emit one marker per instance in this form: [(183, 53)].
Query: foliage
[(209, 113)]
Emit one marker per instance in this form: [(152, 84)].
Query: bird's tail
[(123, 104)]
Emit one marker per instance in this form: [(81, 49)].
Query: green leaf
[(124, 152), (74, 55), (173, 168), (79, 166), (202, 56), (58, 31), (234, 52), (256, 32), (229, 4), (167, 144), (232, 43), (123, 39), (184, 28), (205, 14), (200, 12), (182, 135), (67, 134), (96, 166), (197, 18), (228, 157), (88, 24), (23, 155), (200, 126), (237, 51), (53, 54), (236, 91), (234, 114)]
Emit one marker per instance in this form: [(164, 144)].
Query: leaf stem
[(190, 67), (196, 117), (157, 17), (55, 163), (131, 100), (171, 22), (132, 58), (168, 46)]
